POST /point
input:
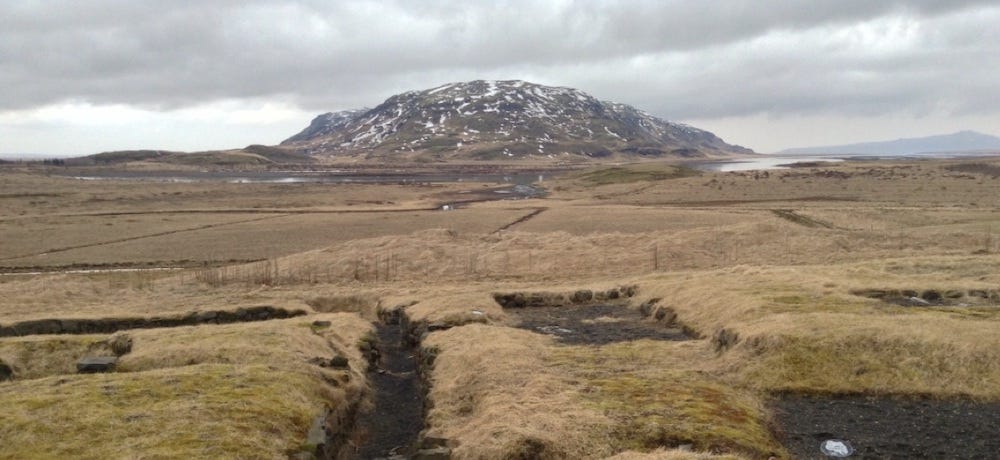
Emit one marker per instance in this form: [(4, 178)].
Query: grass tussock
[(657, 396), (802, 330), (39, 356), (242, 411), (505, 392), (493, 394), (250, 387)]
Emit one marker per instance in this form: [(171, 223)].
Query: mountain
[(962, 141), (503, 119)]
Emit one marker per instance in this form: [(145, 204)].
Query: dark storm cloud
[(676, 58)]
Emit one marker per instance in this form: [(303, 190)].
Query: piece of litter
[(836, 448), (477, 313)]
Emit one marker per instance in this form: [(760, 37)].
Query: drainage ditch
[(587, 318), (598, 324), (392, 428), (109, 325)]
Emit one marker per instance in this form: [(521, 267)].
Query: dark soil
[(393, 426), (589, 324), (890, 428)]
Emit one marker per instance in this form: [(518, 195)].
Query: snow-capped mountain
[(504, 119)]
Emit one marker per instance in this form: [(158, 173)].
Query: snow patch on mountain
[(510, 117)]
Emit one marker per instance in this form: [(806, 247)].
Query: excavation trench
[(109, 325), (597, 324), (392, 428)]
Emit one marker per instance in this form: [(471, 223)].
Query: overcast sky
[(81, 77)]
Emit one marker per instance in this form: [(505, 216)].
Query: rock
[(581, 296), (917, 301), (120, 343), (6, 371), (317, 438), (96, 364), (438, 453)]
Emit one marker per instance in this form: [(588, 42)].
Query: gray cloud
[(679, 59)]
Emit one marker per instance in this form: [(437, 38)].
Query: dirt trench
[(109, 325), (392, 429), (598, 324), (588, 318)]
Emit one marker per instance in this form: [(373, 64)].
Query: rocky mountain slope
[(503, 119)]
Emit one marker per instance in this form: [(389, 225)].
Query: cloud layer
[(677, 59)]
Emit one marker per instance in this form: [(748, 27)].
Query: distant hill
[(963, 141), (247, 156), (499, 120)]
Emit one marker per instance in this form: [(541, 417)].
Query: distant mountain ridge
[(962, 141), (503, 119)]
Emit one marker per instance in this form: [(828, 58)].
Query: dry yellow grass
[(240, 412), (504, 392), (41, 356), (494, 395), (770, 258), (802, 330), (249, 389)]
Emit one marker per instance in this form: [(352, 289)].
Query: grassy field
[(771, 273)]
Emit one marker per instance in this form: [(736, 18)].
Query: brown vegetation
[(777, 275)]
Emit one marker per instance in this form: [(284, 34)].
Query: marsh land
[(768, 307)]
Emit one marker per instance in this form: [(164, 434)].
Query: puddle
[(886, 427), (592, 324)]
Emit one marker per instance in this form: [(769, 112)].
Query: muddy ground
[(392, 428), (890, 428), (592, 324)]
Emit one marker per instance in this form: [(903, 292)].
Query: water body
[(313, 177), (774, 161), (761, 163)]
